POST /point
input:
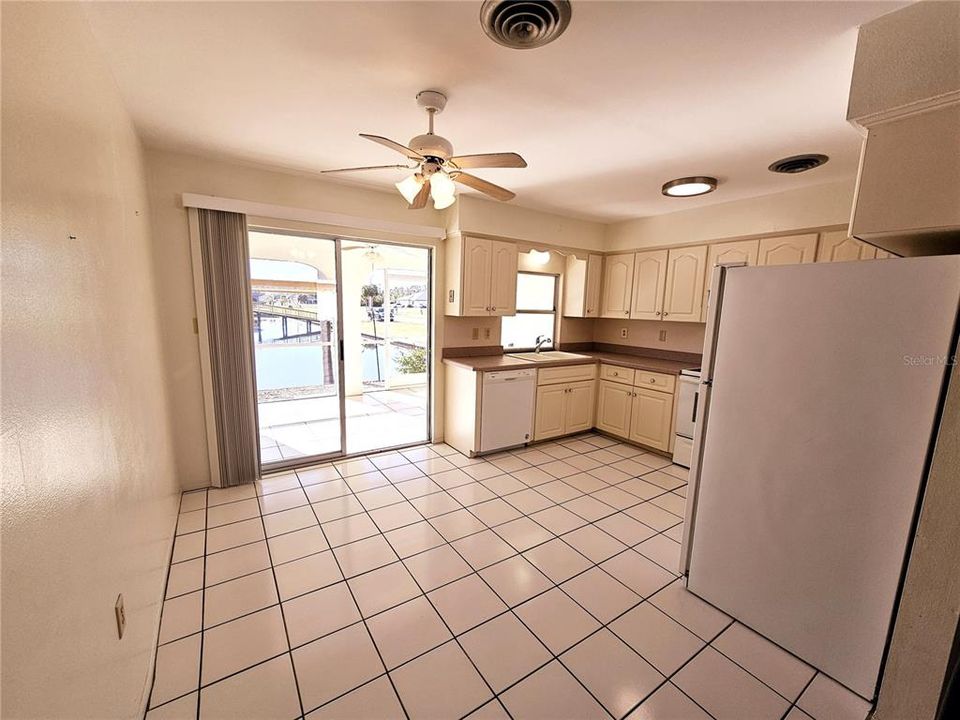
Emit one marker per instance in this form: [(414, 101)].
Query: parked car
[(376, 313)]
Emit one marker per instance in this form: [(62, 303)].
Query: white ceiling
[(632, 95)]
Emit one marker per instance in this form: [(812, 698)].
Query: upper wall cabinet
[(649, 281), (729, 253), (481, 277), (788, 250), (581, 286), (837, 246), (617, 286), (683, 295)]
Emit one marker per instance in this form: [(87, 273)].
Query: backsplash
[(681, 337)]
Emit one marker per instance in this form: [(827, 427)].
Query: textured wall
[(89, 492)]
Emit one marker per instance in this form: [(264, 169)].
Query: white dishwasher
[(506, 409)]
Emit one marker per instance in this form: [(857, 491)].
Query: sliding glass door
[(296, 332), (341, 332), (386, 292)]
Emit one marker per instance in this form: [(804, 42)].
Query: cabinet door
[(728, 253), (549, 417), (503, 283), (790, 250), (475, 277), (578, 407), (683, 297), (837, 246), (651, 421), (592, 290), (649, 280), (617, 286), (614, 403)]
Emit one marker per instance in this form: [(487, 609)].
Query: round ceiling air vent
[(798, 163), (524, 24)]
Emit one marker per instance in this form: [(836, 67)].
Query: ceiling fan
[(437, 168)]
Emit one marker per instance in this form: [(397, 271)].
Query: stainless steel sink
[(548, 355)]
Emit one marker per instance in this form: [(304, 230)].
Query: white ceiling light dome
[(689, 186)]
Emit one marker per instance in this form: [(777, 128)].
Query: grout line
[(486, 527), (366, 627)]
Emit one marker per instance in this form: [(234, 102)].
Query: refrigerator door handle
[(696, 399)]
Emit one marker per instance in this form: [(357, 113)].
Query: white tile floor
[(539, 583), (291, 429)]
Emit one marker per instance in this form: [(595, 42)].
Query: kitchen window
[(536, 313)]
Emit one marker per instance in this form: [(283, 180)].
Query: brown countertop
[(485, 363)]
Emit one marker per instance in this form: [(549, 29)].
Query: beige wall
[(89, 490), (681, 336), (488, 217), (810, 207), (170, 175)]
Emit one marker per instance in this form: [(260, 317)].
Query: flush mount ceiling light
[(524, 24), (798, 163), (689, 186)]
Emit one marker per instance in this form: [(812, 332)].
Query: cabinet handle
[(494, 307), (653, 380), (665, 313), (657, 313), (626, 312)]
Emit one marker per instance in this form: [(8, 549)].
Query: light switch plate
[(663, 336), (475, 333)]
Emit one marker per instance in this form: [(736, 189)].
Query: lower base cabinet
[(650, 418), (614, 405), (563, 409), (638, 414)]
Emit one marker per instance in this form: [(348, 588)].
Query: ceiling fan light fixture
[(442, 190), (689, 186), (409, 187)]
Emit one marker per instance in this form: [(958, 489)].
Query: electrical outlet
[(121, 616), (475, 333), (486, 333), (623, 333), (663, 336)]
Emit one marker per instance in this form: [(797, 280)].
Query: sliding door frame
[(307, 460)]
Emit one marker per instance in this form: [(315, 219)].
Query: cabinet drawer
[(616, 374), (571, 373), (654, 381)]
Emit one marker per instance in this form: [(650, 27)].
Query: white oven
[(686, 416)]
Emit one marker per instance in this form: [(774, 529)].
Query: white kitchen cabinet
[(503, 283), (614, 405), (651, 418), (617, 286), (481, 277), (549, 422), (581, 286), (649, 282), (683, 295), (788, 250), (565, 400), (563, 409), (837, 246), (578, 411), (728, 253)]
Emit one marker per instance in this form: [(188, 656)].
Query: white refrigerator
[(820, 396)]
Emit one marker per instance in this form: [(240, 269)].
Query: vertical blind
[(225, 254)]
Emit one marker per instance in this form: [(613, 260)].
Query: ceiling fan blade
[(387, 142), (420, 201), (489, 160), (370, 167), (488, 188)]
